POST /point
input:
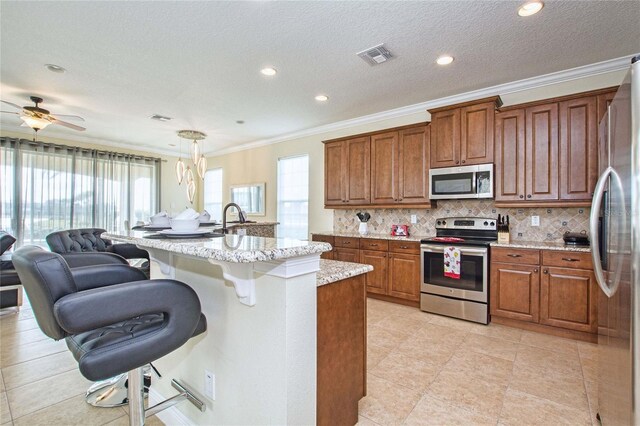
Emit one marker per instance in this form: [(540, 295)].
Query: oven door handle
[(440, 249)]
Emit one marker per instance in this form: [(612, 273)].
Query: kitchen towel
[(452, 259)]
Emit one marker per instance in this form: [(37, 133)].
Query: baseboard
[(171, 416)]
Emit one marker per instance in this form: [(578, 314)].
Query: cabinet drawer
[(522, 256), (323, 239), (372, 244), (408, 247), (346, 242), (567, 259)]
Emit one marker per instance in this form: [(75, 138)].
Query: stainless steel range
[(465, 296)]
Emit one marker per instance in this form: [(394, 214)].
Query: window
[(293, 197), (213, 193), (58, 187)]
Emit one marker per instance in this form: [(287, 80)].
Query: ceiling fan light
[(36, 123)]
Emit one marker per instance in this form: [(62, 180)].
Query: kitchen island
[(261, 299)]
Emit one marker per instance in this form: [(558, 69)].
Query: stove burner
[(448, 239)]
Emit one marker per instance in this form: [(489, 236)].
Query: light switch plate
[(535, 220), (414, 218), (209, 385)]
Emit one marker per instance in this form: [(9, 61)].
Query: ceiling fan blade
[(11, 112), (65, 124), (68, 117), (11, 103)]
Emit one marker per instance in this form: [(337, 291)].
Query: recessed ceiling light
[(444, 60), (240, 121), (55, 68), (530, 8), (268, 71), (172, 144), (159, 117), (322, 98)]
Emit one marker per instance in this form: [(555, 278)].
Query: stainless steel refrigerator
[(615, 236)]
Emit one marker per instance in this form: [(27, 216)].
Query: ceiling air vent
[(159, 117), (375, 55)]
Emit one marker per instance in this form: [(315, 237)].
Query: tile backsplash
[(554, 222)]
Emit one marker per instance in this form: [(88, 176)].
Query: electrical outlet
[(414, 218), (209, 385), (535, 220)]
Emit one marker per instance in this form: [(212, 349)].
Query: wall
[(553, 222), (173, 198), (259, 164)]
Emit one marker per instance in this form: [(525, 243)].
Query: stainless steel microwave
[(461, 182)]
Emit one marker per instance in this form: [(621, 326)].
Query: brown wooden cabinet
[(346, 254), (392, 165), (463, 134), (568, 299), (325, 239), (546, 152), (347, 173), (377, 280), (404, 276), (578, 148), (549, 291)]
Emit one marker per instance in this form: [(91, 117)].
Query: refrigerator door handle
[(609, 172)]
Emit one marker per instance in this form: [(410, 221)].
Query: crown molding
[(584, 71)]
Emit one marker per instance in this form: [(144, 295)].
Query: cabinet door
[(346, 254), (476, 136), (413, 166), (358, 174), (445, 138), (510, 156), (568, 299), (404, 276), (515, 291), (375, 280), (578, 148), (334, 168), (542, 152), (325, 239), (384, 168)]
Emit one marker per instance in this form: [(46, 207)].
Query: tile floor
[(423, 369), (430, 370)]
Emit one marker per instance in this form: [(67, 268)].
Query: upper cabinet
[(387, 169), (347, 172), (463, 134), (546, 152)]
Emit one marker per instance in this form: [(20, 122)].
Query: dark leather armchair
[(78, 247), (10, 287), (113, 319)]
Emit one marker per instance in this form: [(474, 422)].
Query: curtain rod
[(79, 148)]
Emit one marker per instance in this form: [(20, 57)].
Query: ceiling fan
[(38, 118)]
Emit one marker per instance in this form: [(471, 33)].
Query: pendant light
[(199, 162)]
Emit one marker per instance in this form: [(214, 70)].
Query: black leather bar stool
[(113, 321)]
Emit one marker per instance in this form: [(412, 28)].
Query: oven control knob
[(485, 223), (493, 223), (444, 222), (439, 223)]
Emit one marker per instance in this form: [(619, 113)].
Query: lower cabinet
[(396, 264), (548, 292), (515, 291)]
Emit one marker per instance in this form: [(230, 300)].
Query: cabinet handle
[(346, 242), (404, 247), (373, 245), (535, 271), (514, 255), (462, 161), (546, 271), (521, 196), (457, 162), (528, 195), (569, 259)]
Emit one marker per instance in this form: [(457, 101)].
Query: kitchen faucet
[(241, 217)]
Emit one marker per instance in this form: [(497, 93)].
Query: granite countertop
[(231, 225), (333, 270), (415, 238), (229, 248), (543, 245)]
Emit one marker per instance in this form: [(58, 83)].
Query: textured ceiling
[(199, 62)]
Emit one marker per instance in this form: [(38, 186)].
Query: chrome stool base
[(113, 392)]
